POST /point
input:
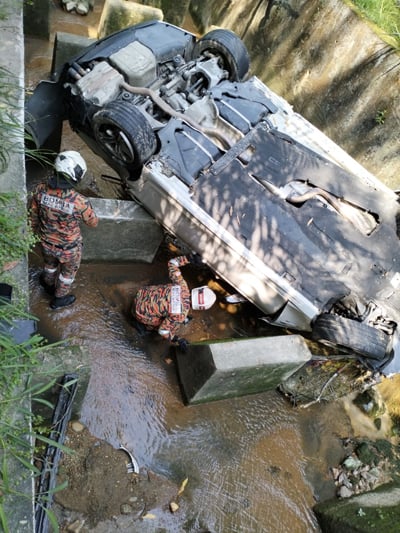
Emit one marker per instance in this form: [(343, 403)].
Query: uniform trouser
[(60, 267)]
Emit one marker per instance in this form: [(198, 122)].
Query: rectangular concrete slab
[(126, 232), (216, 371), (66, 46)]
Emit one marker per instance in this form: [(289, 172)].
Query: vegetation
[(384, 13), (16, 237), (18, 361)]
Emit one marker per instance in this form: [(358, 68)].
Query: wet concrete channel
[(253, 463)]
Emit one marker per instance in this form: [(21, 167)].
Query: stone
[(77, 426), (126, 508), (69, 6), (82, 8), (345, 492), (221, 370), (351, 463)]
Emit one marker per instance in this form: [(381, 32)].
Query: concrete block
[(119, 14), (216, 371), (376, 510), (126, 232), (37, 18), (66, 46)]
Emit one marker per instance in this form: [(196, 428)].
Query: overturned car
[(272, 205)]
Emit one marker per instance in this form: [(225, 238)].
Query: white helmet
[(72, 165), (202, 298)]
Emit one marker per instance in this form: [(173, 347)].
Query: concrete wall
[(12, 179)]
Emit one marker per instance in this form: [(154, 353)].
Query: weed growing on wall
[(384, 13), (16, 237)]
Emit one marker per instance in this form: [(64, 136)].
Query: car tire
[(335, 330), (229, 47), (125, 134)]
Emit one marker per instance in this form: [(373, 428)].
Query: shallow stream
[(254, 464)]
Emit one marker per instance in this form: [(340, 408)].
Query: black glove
[(195, 259), (181, 343)]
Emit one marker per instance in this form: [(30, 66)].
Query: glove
[(181, 343), (195, 259)]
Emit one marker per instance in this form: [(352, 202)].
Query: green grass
[(384, 13), (16, 236), (19, 362)]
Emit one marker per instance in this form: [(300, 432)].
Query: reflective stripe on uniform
[(66, 281), (50, 270), (176, 304)]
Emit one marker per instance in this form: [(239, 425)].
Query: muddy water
[(254, 464)]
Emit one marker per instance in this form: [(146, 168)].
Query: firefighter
[(165, 307), (56, 211)]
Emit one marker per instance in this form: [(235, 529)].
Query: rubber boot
[(62, 301), (48, 288)]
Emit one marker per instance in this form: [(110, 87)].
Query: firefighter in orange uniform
[(56, 211), (165, 307)]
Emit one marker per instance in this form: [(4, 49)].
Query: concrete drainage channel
[(119, 216), (139, 237)]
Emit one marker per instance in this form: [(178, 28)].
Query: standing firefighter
[(56, 212), (165, 307)]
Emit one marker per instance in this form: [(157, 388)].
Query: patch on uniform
[(176, 306), (57, 203)]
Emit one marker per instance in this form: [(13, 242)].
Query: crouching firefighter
[(165, 308), (56, 211)]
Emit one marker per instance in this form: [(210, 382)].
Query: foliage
[(10, 128), (18, 362), (380, 116), (384, 13), (16, 237)]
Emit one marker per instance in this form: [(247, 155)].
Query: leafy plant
[(380, 116), (16, 236), (18, 363)]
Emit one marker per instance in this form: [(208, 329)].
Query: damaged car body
[(225, 165)]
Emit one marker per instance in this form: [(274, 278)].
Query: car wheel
[(229, 47), (124, 133), (335, 330)]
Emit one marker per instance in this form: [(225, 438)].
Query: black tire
[(229, 47), (359, 338), (125, 134)]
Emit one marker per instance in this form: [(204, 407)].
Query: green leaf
[(39, 388), (53, 520), (3, 520), (59, 488), (27, 464), (54, 443), (43, 402)]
